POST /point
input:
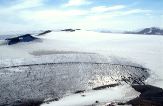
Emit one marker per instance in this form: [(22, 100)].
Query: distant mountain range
[(148, 31)]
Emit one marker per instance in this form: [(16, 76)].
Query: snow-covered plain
[(145, 50)]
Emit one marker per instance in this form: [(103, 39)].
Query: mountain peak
[(149, 31)]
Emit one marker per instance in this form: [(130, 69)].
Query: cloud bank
[(87, 14)]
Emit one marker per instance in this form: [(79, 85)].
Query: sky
[(84, 14)]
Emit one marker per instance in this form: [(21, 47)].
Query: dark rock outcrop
[(68, 30), (79, 91), (27, 103), (45, 32), (151, 31), (105, 86), (23, 38), (148, 31), (150, 96)]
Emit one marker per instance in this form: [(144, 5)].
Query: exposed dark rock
[(151, 31), (96, 101), (45, 32), (26, 103), (56, 99), (150, 96), (145, 88), (144, 102), (121, 103), (83, 95), (68, 30), (23, 38), (148, 31), (80, 91), (51, 100), (105, 86), (111, 104)]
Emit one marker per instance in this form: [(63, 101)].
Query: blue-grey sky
[(87, 14)]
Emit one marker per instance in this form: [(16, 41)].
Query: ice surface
[(57, 75), (141, 49), (109, 95)]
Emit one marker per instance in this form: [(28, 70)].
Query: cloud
[(53, 16), (21, 13), (20, 5), (105, 8), (77, 3), (12, 14), (49, 18), (118, 13), (136, 11), (25, 4)]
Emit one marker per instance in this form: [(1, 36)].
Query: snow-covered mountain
[(149, 31)]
